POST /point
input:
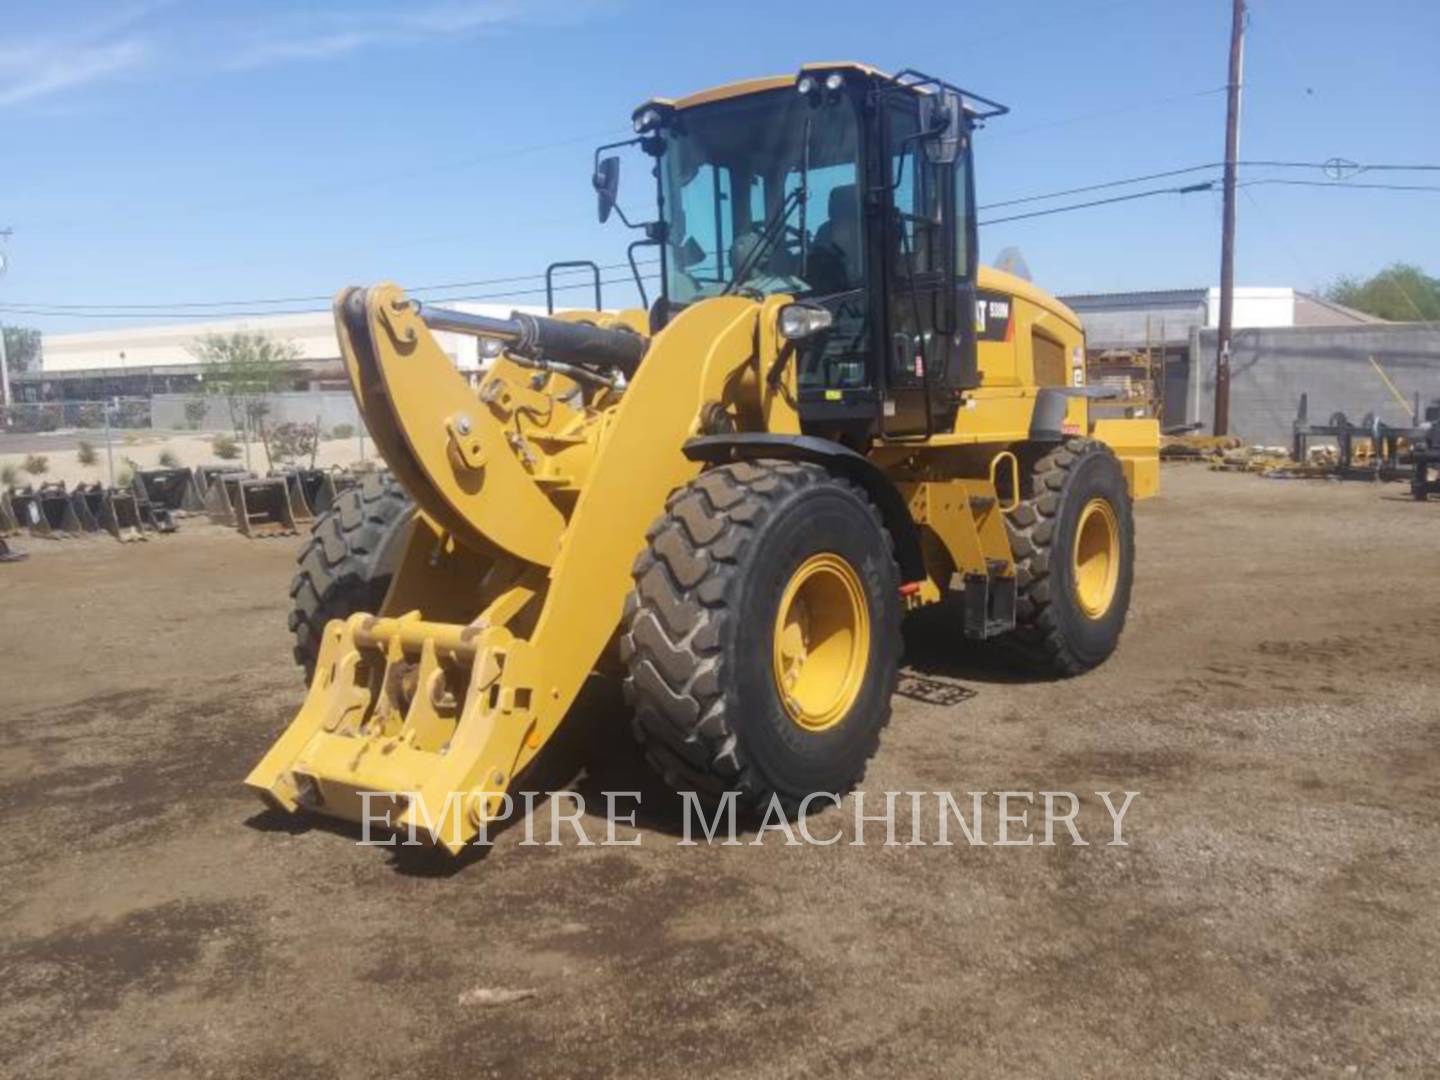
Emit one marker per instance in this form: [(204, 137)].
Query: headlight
[(800, 321), (806, 85), (834, 81), (646, 120)]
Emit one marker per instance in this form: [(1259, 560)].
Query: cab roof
[(978, 107), (754, 86)]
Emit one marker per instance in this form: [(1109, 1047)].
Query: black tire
[(697, 642), (1053, 633), (347, 563)]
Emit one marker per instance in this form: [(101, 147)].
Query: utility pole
[(4, 373), (1227, 228), (4, 360)]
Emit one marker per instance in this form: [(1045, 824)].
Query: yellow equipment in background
[(829, 416)]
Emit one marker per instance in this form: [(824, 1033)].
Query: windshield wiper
[(774, 226)]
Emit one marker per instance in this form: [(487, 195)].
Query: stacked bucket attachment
[(162, 495), (8, 525), (168, 491), (257, 507), (205, 477), (46, 512), (53, 513), (87, 501), (311, 493), (111, 510)]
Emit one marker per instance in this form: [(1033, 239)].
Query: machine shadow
[(592, 753), (936, 648)]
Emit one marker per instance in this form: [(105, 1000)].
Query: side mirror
[(607, 184), (942, 119)]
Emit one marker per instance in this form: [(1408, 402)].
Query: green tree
[(22, 348), (246, 369), (1401, 292)]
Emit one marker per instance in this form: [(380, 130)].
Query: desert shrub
[(195, 410), (342, 431), (36, 464), (9, 474), (168, 460), (225, 447), (126, 476), (85, 453), (89, 416), (291, 442)]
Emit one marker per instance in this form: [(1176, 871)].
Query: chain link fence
[(50, 417), (107, 440)]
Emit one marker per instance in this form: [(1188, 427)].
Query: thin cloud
[(330, 33), (105, 48), (308, 47), (42, 69), (112, 45)]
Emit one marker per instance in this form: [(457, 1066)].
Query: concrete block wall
[(332, 407), (1271, 368)]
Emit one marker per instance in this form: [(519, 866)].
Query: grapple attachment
[(379, 735)]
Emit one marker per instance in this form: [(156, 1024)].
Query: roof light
[(806, 85), (646, 119), (834, 81)]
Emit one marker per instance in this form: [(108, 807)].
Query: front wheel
[(1073, 538), (347, 563), (762, 636)]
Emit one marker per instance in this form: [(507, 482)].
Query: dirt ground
[(1275, 701)]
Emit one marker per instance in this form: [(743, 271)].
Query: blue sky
[(186, 152)]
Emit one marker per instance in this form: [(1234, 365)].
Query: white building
[(146, 360)]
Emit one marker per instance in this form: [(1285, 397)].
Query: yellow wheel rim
[(822, 642), (1096, 558)]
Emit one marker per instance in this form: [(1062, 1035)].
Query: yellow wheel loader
[(830, 415)]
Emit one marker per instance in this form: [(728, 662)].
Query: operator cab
[(849, 190)]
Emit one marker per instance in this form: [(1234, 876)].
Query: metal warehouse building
[(1157, 346)]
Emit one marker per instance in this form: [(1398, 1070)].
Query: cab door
[(916, 250)]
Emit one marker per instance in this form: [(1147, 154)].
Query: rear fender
[(859, 470), (1137, 444)]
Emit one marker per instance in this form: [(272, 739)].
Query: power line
[(91, 314), (1206, 185), (321, 298), (1347, 184), (1099, 187), (238, 308), (1067, 121), (1352, 167), (369, 180)]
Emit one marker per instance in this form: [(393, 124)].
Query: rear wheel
[(1073, 539), (347, 563), (762, 637)]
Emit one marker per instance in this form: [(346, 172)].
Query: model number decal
[(992, 317)]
